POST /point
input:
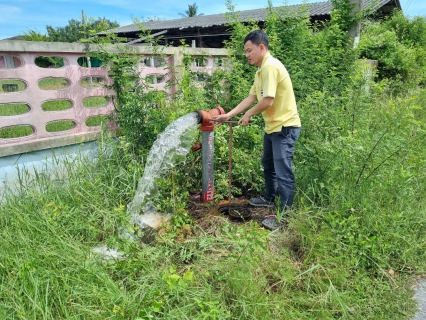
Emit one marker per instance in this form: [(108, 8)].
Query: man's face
[(254, 53)]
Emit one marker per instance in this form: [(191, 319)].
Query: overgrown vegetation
[(356, 236), (76, 30)]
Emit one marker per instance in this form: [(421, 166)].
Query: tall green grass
[(16, 131), (18, 84), (12, 109), (211, 269), (53, 84), (61, 125), (56, 105)]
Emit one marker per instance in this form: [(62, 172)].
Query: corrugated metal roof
[(316, 9), (380, 3)]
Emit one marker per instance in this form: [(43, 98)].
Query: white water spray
[(170, 148)]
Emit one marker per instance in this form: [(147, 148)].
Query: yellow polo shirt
[(273, 80)]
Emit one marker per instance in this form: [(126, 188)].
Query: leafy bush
[(398, 45)]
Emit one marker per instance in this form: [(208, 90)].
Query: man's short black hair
[(257, 37)]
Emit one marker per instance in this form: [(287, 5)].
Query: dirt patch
[(206, 214), (209, 218)]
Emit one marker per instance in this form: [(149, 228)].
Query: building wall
[(17, 62)]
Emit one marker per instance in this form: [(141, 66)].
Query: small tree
[(33, 35), (191, 12)]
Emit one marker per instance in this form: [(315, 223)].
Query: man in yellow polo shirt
[(273, 91)]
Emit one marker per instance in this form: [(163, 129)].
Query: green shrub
[(398, 45)]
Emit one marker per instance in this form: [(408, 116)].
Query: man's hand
[(245, 120), (222, 117), (242, 106)]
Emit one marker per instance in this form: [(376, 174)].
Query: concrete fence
[(21, 78)]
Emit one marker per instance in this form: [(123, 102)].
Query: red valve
[(205, 117)]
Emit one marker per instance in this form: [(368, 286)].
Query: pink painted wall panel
[(31, 74)]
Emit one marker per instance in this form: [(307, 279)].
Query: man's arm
[(261, 106), (243, 105)]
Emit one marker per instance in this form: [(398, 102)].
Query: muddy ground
[(238, 212)]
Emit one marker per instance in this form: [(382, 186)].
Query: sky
[(20, 16)]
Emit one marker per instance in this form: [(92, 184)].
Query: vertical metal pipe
[(208, 166), (230, 165), (207, 128)]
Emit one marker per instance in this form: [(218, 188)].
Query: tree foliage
[(33, 35), (191, 12), (76, 30), (398, 43)]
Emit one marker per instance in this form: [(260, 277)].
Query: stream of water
[(170, 149)]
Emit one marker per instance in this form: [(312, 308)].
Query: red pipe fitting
[(197, 146), (204, 117)]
